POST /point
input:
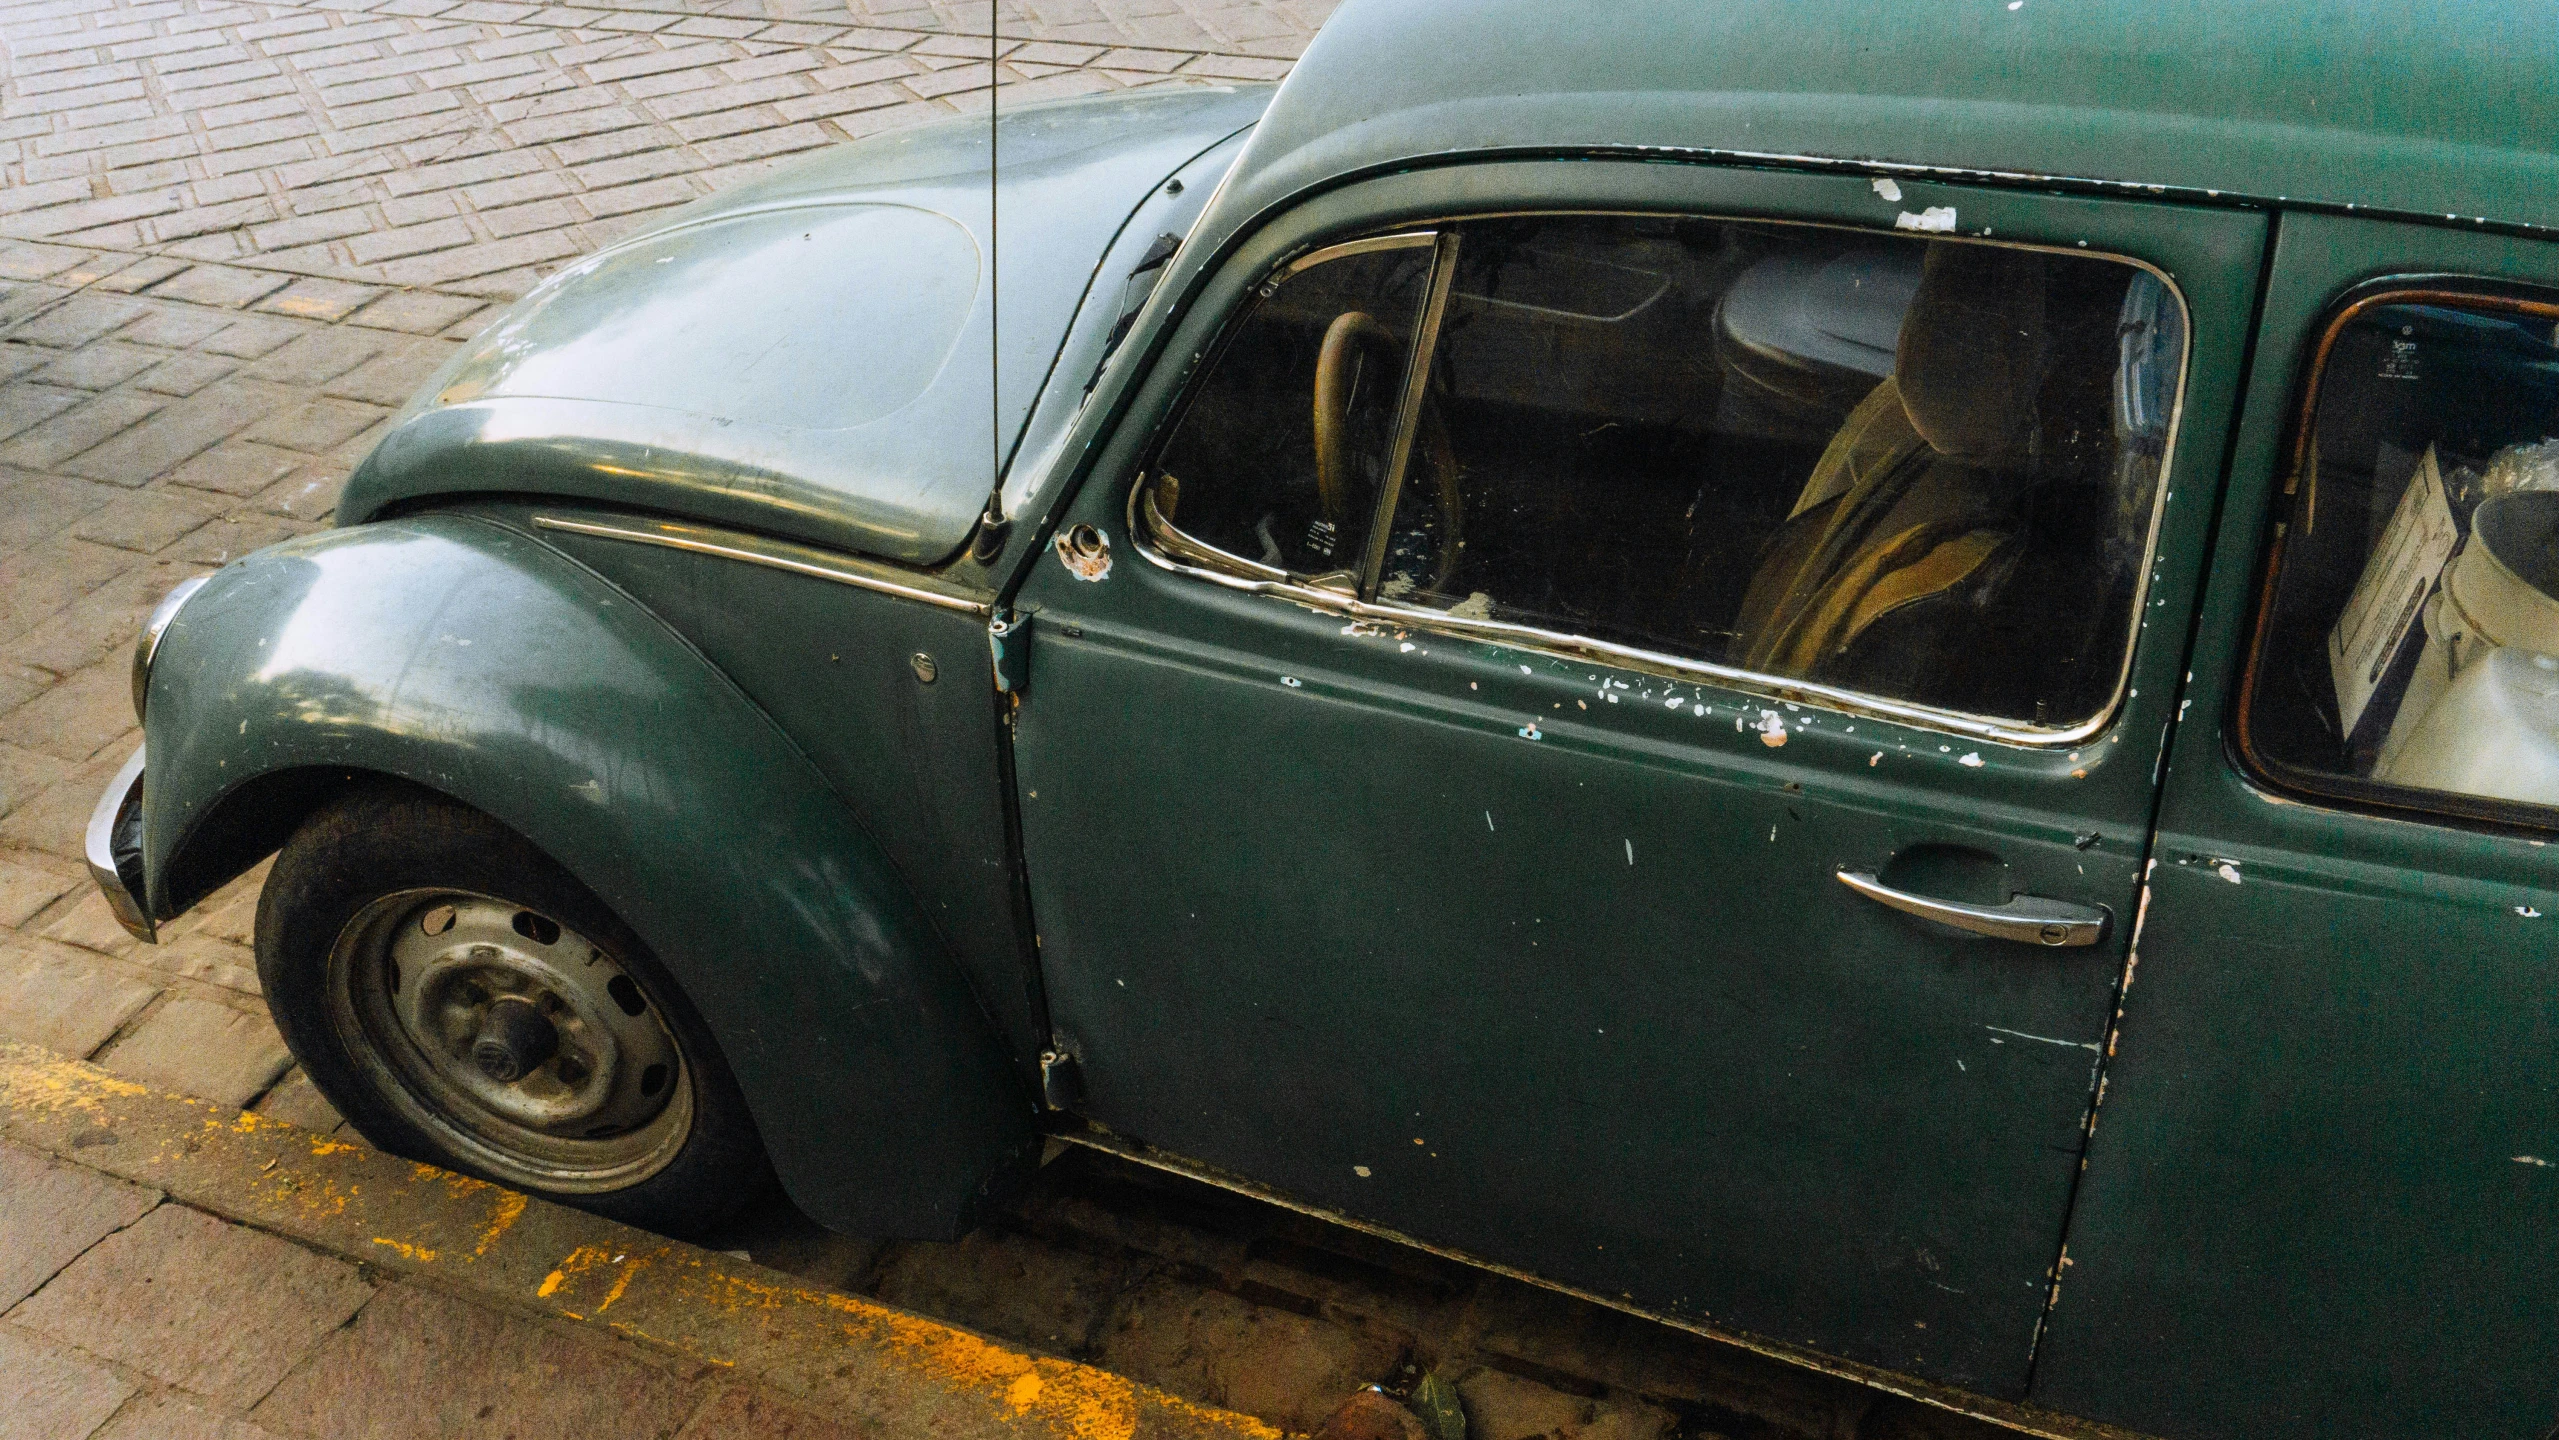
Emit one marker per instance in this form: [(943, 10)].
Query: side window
[(1280, 456), (1923, 471), (2409, 649)]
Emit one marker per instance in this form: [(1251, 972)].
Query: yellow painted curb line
[(849, 1356)]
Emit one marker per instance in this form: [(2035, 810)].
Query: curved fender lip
[(472, 659)]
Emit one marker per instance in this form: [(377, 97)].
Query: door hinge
[(1061, 1080), (1008, 637)]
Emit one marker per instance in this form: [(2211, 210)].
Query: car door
[(2321, 1191), (1466, 796)]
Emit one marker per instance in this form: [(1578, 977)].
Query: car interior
[(1919, 469), (2424, 535)]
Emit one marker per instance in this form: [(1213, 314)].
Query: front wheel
[(465, 1001)]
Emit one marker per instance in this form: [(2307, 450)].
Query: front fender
[(476, 661)]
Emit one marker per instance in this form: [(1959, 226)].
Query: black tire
[(363, 857)]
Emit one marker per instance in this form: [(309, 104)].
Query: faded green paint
[(2429, 109), (2305, 1211), (452, 653), (911, 760), (1292, 928), (808, 355)]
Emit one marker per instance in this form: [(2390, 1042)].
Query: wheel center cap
[(514, 1040)]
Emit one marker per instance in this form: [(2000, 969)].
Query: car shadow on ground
[(1235, 1302)]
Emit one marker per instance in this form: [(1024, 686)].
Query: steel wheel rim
[(517, 1043)]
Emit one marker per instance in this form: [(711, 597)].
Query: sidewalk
[(375, 1298)]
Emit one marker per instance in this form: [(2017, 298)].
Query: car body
[(2111, 1038)]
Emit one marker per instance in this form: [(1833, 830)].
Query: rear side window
[(2408, 648), (1873, 466)]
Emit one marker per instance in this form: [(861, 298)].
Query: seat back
[(1913, 505)]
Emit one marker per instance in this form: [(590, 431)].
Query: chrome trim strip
[(1982, 727), (773, 554), (1552, 642), (1408, 416), (1400, 240), (123, 795), (2039, 1423), (146, 648)]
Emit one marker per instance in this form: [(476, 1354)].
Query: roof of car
[(2423, 107)]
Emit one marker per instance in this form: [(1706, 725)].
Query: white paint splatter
[(1885, 187), (1972, 761), (2039, 1039), (1360, 1170), (1772, 729), (1935, 219), (1875, 759), (1407, 647), (1488, 823), (2532, 1160), (2227, 870), (1630, 852)]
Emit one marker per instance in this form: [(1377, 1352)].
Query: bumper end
[(114, 850)]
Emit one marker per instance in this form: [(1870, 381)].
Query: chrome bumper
[(115, 849)]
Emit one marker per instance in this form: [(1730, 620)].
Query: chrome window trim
[(755, 550), (1167, 547), (1408, 415), (1400, 240)]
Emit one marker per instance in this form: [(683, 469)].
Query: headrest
[(1971, 359)]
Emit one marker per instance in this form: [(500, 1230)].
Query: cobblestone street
[(233, 238)]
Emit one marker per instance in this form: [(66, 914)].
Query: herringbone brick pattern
[(460, 144), (1274, 28)]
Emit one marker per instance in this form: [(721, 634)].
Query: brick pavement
[(127, 1316), (467, 145)]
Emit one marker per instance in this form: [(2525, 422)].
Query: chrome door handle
[(2028, 919)]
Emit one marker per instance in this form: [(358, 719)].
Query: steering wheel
[(1337, 373)]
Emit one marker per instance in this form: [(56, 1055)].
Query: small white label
[(2396, 580)]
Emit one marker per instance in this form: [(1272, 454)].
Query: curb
[(899, 1373)]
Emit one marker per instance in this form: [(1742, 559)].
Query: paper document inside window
[(2381, 614)]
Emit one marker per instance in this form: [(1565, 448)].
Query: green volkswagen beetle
[(1884, 688)]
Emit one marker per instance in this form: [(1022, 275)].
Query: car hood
[(816, 354)]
